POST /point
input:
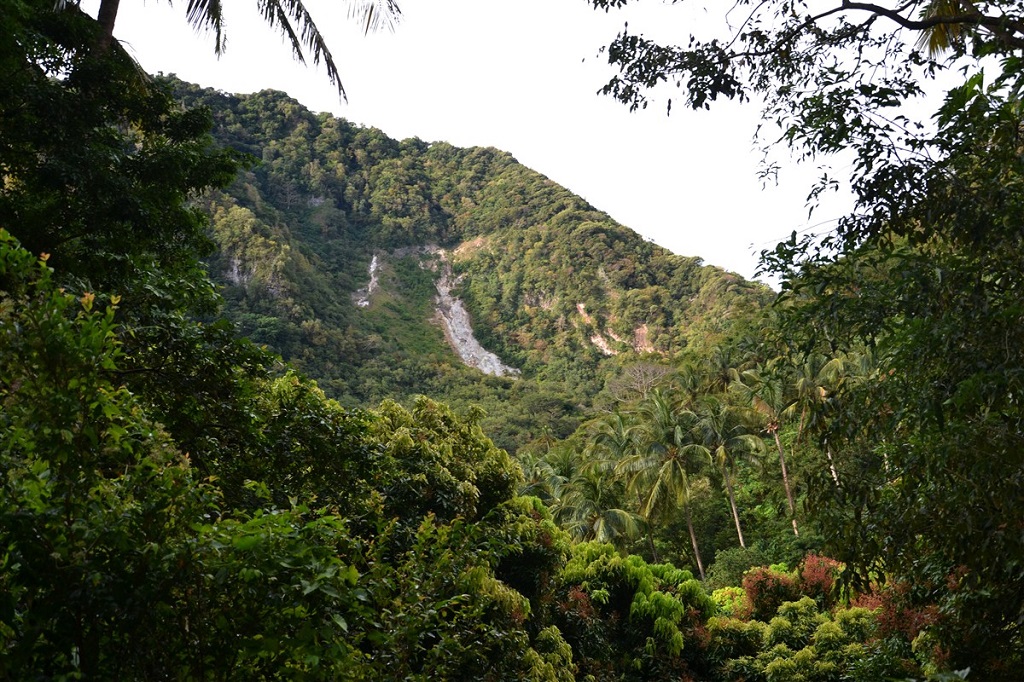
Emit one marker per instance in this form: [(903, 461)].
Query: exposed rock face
[(236, 275), (597, 339), (244, 275), (362, 296), (602, 345), (641, 340), (453, 315), (540, 300), (641, 336), (459, 331)]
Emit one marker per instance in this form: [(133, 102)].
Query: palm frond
[(942, 36), (375, 14), (208, 14), (615, 525), (294, 21)]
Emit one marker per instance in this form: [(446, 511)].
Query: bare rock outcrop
[(459, 330), (641, 340), (597, 338), (451, 312), (362, 296)]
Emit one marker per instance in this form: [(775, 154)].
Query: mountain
[(388, 268)]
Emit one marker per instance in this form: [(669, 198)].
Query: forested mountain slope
[(559, 291)]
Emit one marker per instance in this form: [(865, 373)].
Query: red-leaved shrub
[(818, 577), (896, 614), (766, 589)]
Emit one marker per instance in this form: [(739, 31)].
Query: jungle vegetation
[(541, 272), (817, 485)]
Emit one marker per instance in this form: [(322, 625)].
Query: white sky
[(522, 76)]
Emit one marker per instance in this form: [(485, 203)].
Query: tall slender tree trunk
[(828, 450), (732, 503), (693, 540), (650, 545), (105, 18), (650, 530), (832, 464), (785, 481)]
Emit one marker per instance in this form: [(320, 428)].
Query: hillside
[(334, 241)]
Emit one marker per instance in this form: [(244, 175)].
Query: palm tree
[(816, 378), (942, 36), (612, 437), (541, 479), (290, 17), (722, 430), (765, 388), (580, 487), (720, 368), (586, 509), (659, 469), (565, 462)]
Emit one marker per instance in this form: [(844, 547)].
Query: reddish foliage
[(818, 576), (956, 577), (766, 590), (578, 604), (898, 615), (871, 601), (697, 630)]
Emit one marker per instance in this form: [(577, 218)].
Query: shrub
[(818, 577), (731, 602), (767, 589), (730, 565)]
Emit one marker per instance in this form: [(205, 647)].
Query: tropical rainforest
[(241, 436)]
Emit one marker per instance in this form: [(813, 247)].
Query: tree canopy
[(924, 275), (176, 502)]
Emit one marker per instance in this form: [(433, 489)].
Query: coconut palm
[(587, 508), (612, 437), (564, 460), (581, 488), (943, 35), (541, 480), (289, 17), (659, 471), (816, 379), (720, 367), (765, 387), (723, 430)]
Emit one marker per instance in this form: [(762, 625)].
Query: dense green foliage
[(940, 470), (121, 562), (922, 279), (177, 503), (541, 272), (408, 555)]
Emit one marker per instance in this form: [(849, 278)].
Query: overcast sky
[(521, 76)]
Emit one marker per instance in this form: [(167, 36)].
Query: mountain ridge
[(554, 287)]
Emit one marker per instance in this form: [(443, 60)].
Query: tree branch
[(998, 25)]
